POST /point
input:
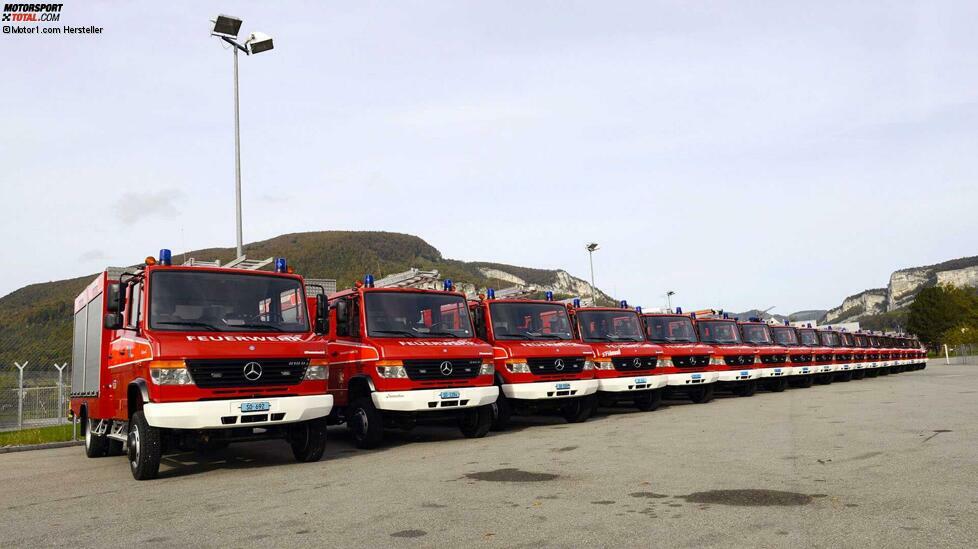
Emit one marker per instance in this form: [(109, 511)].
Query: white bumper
[(632, 383), (738, 375), (824, 368), (780, 371), (431, 400), (803, 370), (692, 378), (551, 389), (211, 414), (843, 367), (858, 365)]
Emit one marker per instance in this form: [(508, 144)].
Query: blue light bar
[(638, 309), (368, 280), (280, 264), (166, 258), (679, 310), (550, 295), (623, 304), (448, 284), (577, 302), (490, 293), (725, 316)]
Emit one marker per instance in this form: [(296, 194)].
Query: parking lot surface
[(884, 462)]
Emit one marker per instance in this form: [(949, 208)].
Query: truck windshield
[(670, 329), (808, 337), (756, 334), (621, 325), (847, 340), (416, 314), (829, 339), (226, 302), (529, 321), (861, 341), (718, 331), (785, 336)]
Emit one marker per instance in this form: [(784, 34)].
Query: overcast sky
[(742, 154)]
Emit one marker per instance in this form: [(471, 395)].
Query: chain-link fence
[(962, 354), (34, 395)]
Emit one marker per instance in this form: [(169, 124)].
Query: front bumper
[(636, 383), (692, 378), (738, 375), (780, 371), (218, 414), (551, 389), (430, 400), (802, 370)]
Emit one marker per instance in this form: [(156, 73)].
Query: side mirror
[(112, 321), (322, 314), (115, 299), (342, 318)]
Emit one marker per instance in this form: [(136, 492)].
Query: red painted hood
[(686, 349), (534, 349), (625, 349), (428, 348), (204, 345), (738, 349)]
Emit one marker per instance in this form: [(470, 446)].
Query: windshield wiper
[(514, 335), (539, 335), (209, 327), (614, 337), (396, 332), (272, 327), (441, 334)]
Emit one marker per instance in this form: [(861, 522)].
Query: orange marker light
[(290, 269), (150, 260)]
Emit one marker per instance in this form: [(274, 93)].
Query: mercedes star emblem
[(559, 364), (446, 368), (252, 371), (637, 362)]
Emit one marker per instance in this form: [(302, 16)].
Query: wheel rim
[(88, 433), (133, 447)]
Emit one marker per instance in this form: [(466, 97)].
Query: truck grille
[(801, 358), (738, 360), (435, 370), (556, 365), (823, 358), (843, 357), (628, 364), (691, 361), (247, 373), (773, 359)]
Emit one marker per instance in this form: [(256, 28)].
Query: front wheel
[(747, 388), (95, 445), (579, 409), (366, 423), (502, 412), (648, 400), (477, 422), (778, 385), (702, 394), (144, 448), (308, 440)]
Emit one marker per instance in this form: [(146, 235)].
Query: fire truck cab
[(625, 363), (822, 356), (832, 339), (685, 361), (800, 357), (169, 358), (772, 356), (734, 360), (399, 356), (539, 363)]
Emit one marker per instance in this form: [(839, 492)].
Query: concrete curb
[(45, 446)]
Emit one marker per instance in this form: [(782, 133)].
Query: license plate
[(256, 406), (640, 381), (449, 394), (697, 376), (745, 373), (563, 386), (777, 370)]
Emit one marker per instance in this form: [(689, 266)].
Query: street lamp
[(669, 295), (591, 248), (226, 28)]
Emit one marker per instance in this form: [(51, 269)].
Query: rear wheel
[(95, 445), (502, 412), (308, 440), (144, 448), (579, 409), (476, 422), (701, 394), (648, 400), (366, 423)]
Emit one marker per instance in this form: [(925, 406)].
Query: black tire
[(143, 448), (824, 379), (579, 409), (747, 388), (648, 400), (116, 448), (858, 374), (702, 394), (95, 445), (806, 381), (476, 422), (502, 412), (365, 422), (778, 384), (308, 440)]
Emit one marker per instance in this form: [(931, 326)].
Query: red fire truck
[(540, 364), (832, 340), (733, 359), (169, 358), (400, 356), (685, 361), (822, 356), (772, 357), (860, 364), (625, 364), (800, 357)]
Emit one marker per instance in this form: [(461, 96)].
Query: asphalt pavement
[(884, 462)]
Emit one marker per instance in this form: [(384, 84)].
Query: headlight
[(487, 369), (717, 361), (664, 363), (517, 367), (599, 364), (391, 369), (318, 370), (170, 376)]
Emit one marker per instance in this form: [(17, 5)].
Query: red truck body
[(399, 356), (539, 362), (170, 357), (734, 360), (625, 363), (822, 357), (773, 368), (800, 357), (686, 363)]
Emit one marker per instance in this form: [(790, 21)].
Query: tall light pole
[(669, 295), (591, 248), (226, 28)]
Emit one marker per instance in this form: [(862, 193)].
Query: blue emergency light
[(490, 293), (786, 322), (448, 284), (550, 295), (679, 310), (638, 309), (623, 304), (692, 315), (725, 316), (368, 280), (166, 258), (280, 264), (577, 302)]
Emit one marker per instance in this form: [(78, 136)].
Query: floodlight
[(226, 25), (592, 246), (259, 42)]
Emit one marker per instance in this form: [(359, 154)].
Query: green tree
[(938, 309)]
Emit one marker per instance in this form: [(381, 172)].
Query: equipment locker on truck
[(169, 358), (540, 364), (400, 356), (625, 364), (685, 361)]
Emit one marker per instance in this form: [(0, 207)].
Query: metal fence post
[(61, 399), (20, 394)]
